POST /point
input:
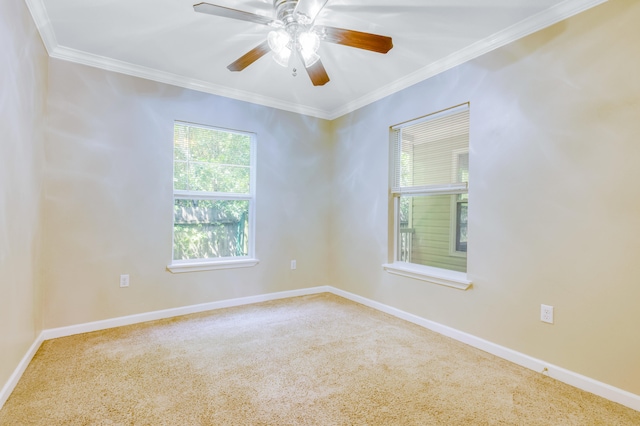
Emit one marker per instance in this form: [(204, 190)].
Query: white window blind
[(210, 160), (424, 160)]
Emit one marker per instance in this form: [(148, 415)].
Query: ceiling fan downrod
[(285, 11)]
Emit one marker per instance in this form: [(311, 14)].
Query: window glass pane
[(180, 175), (205, 229), (218, 178), (406, 165), (406, 232), (423, 151), (219, 147), (426, 237), (180, 143), (461, 226), (211, 160), (463, 167)]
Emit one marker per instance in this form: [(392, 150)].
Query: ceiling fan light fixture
[(278, 40), (309, 41), (282, 57), (309, 57)]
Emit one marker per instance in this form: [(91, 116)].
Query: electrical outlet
[(124, 280), (293, 264), (546, 313)]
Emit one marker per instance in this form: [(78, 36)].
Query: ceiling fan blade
[(318, 74), (357, 39), (213, 9), (309, 8), (250, 57)]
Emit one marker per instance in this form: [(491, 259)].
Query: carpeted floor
[(314, 360)]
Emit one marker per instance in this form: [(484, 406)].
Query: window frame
[(229, 262), (434, 275)]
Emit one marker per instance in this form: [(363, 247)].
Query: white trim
[(515, 32), (579, 381), (179, 267), (546, 18), (396, 227), (444, 189), (10, 385), (43, 23), (203, 195), (430, 274), (434, 116), (253, 189), (55, 333), (115, 65)]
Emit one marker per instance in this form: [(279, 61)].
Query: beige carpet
[(316, 360)]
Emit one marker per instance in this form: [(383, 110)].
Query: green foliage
[(211, 160), (405, 209), (206, 229), (406, 167)]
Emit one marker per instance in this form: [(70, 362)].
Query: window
[(459, 205), (214, 198), (429, 190)]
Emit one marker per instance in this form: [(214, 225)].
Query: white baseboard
[(88, 327), (17, 373), (579, 381), (55, 333)]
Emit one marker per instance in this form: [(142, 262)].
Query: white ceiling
[(165, 40)]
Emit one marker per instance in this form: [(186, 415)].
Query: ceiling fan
[(294, 32)]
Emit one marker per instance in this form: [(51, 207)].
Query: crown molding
[(140, 71), (43, 24), (544, 19)]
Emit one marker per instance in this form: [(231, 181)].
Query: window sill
[(430, 274), (210, 265)]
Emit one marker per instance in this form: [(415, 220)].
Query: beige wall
[(554, 212), (108, 197), (23, 68)]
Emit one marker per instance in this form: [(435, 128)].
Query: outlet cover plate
[(546, 313)]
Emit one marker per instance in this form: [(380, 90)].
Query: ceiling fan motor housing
[(285, 11)]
